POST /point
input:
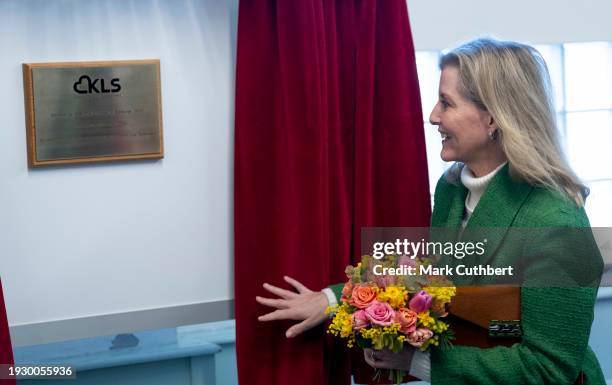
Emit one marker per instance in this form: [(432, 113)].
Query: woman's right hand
[(304, 305)]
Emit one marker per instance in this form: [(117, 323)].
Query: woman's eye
[(444, 103)]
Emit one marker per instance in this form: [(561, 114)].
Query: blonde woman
[(497, 121)]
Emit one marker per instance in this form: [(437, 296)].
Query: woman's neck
[(486, 166)]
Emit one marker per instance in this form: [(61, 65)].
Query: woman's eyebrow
[(445, 96)]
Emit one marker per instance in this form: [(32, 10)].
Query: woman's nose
[(434, 117)]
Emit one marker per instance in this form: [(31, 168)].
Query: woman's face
[(464, 127)]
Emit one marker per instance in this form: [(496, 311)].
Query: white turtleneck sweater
[(476, 187), (421, 363)]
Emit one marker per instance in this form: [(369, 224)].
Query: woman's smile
[(445, 137)]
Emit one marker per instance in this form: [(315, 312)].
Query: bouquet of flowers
[(380, 309)]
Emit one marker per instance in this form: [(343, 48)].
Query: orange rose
[(363, 295), (346, 291), (407, 320), (439, 308)]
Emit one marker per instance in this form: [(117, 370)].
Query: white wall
[(442, 24), (98, 239)]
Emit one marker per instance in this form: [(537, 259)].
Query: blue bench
[(158, 357)]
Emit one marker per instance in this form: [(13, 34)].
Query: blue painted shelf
[(95, 353)]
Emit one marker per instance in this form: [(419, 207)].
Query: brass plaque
[(92, 112)]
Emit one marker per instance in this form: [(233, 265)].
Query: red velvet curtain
[(328, 138), (6, 351)]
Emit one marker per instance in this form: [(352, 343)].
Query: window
[(582, 81)]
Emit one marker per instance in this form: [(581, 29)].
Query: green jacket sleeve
[(337, 289)]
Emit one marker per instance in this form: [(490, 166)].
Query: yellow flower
[(370, 333), (426, 320), (392, 329), (439, 327), (441, 294), (342, 325), (331, 309), (396, 296)]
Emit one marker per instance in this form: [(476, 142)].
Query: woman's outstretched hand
[(306, 306), (386, 359)]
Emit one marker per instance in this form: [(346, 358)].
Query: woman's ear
[(492, 127), (492, 123)]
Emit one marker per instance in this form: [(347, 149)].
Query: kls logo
[(85, 85)]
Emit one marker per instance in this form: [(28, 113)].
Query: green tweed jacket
[(555, 317)]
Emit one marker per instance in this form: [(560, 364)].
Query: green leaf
[(445, 339)]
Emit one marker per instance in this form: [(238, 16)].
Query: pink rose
[(360, 320), (407, 320), (380, 313), (420, 302), (363, 295), (418, 337)]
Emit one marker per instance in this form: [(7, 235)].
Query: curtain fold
[(328, 139), (6, 351)]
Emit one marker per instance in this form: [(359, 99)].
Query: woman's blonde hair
[(510, 80)]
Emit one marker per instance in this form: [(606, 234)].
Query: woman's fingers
[(286, 294), (277, 303), (298, 286), (387, 359), (306, 307), (274, 316), (368, 357), (300, 327), (296, 329)]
